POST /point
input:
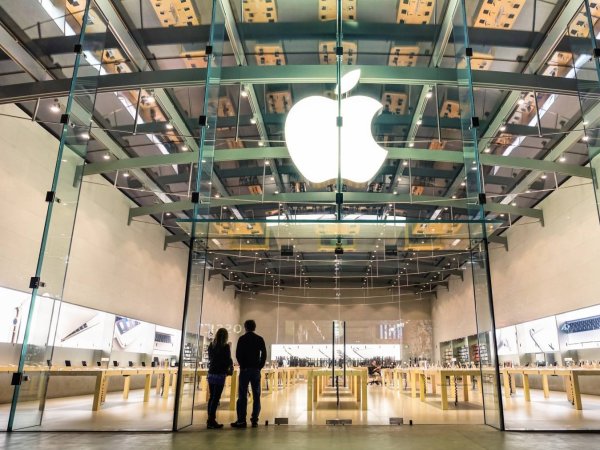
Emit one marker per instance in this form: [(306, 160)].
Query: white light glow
[(311, 134)]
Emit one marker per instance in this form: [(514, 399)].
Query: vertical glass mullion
[(339, 120), (490, 376), (191, 340), (28, 401)]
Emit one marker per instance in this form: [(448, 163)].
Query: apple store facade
[(402, 197)]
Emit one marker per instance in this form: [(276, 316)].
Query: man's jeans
[(252, 377)]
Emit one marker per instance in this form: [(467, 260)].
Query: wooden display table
[(316, 383), (453, 373), (102, 376), (570, 376)]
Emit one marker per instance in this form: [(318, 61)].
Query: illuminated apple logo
[(311, 134)]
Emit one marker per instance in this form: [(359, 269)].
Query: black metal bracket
[(64, 118), (35, 282), (78, 48), (339, 121), (597, 53), (196, 197), (474, 122), (50, 196), (469, 51), (339, 51), (339, 198), (209, 50), (482, 198), (202, 121), (17, 379)]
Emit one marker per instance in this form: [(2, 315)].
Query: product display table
[(102, 376), (453, 373), (316, 383), (570, 376)]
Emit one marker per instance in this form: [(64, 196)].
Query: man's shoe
[(213, 425), (255, 424), (238, 425)]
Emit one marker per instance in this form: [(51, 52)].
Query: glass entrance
[(345, 308)]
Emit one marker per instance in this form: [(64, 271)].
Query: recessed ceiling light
[(261, 144), (185, 148), (514, 203), (503, 128), (55, 107), (272, 178), (454, 196), (85, 135), (267, 163), (521, 101), (411, 144), (419, 122), (244, 93), (253, 121), (585, 138), (217, 195), (106, 156), (126, 174), (168, 214), (429, 94), (395, 192), (543, 177), (405, 163), (463, 184), (562, 159), (277, 192), (169, 126), (487, 150)]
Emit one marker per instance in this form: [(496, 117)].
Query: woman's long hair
[(221, 338)]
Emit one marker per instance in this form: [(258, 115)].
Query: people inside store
[(251, 355), (374, 373), (220, 365)]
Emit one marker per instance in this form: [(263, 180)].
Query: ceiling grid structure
[(274, 56)]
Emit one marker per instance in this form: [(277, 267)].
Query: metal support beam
[(499, 240), (136, 56), (438, 53), (270, 153), (240, 56), (303, 74), (329, 198)]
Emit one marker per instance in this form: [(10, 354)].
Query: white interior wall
[(113, 266), (548, 269)]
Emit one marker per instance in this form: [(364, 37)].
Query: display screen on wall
[(538, 336), (323, 351), (80, 327), (507, 341), (133, 335), (579, 329)]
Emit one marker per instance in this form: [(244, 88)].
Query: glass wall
[(349, 177)]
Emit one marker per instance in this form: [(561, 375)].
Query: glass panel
[(28, 399), (490, 385), (192, 340)]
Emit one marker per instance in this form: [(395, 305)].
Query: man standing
[(251, 355)]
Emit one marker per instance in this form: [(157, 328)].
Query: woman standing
[(219, 364)]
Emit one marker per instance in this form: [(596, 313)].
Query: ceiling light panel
[(175, 13), (260, 11), (415, 12), (327, 52), (269, 55)]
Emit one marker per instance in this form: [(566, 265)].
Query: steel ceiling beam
[(291, 74), (329, 198), (436, 58), (137, 57), (553, 37), (37, 71), (240, 57), (394, 153)]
